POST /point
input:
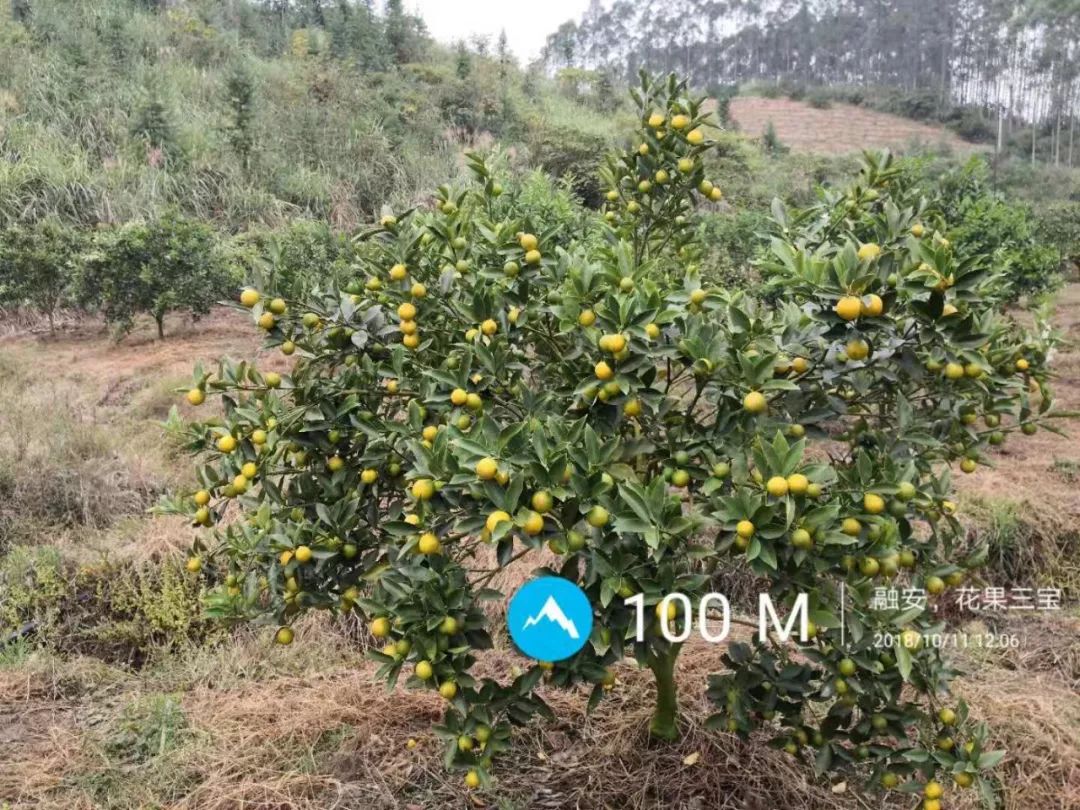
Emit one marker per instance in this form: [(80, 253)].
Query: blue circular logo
[(550, 618)]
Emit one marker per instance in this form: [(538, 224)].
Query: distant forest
[(992, 67)]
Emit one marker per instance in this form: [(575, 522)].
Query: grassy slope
[(330, 140)]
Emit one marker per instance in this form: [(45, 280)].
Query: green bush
[(819, 100), (649, 431), (990, 229), (288, 260), (1058, 225), (566, 151), (37, 265), (119, 611), (170, 263)]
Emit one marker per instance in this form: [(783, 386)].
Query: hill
[(837, 129)]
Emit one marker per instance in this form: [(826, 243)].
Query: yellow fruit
[(947, 717), (954, 371), (528, 241), (473, 402), (380, 627), (249, 297), (744, 529), (423, 670), (196, 396), (266, 321), (695, 136), (369, 476), (973, 370), (495, 518), (489, 327), (755, 402), (398, 272), (597, 517), (849, 307), (412, 519), (968, 465), (430, 433), (603, 371), (226, 444), (587, 317), (911, 641), (534, 524), (283, 636), (857, 349), (716, 194), (277, 306), (194, 565), (917, 230), (800, 365), (652, 330), (428, 544), (1022, 364), (873, 503), (777, 486), (459, 396), (873, 306), (423, 489), (869, 252), (302, 554), (533, 257), (392, 386), (964, 780), (448, 690), (406, 311), (288, 347), (656, 120), (249, 470), (486, 469), (542, 501), (613, 343), (933, 790), (685, 165), (632, 408), (680, 121), (798, 484), (472, 780), (418, 290), (698, 296), (851, 527)]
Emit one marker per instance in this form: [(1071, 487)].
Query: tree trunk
[(665, 721), (160, 326)]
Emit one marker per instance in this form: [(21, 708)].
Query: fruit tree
[(485, 387)]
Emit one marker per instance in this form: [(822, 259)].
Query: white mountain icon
[(553, 613)]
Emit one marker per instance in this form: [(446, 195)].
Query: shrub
[(1059, 226), (154, 267), (118, 611), (818, 99), (569, 152), (494, 388), (37, 265)]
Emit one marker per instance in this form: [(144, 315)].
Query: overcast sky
[(527, 22)]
